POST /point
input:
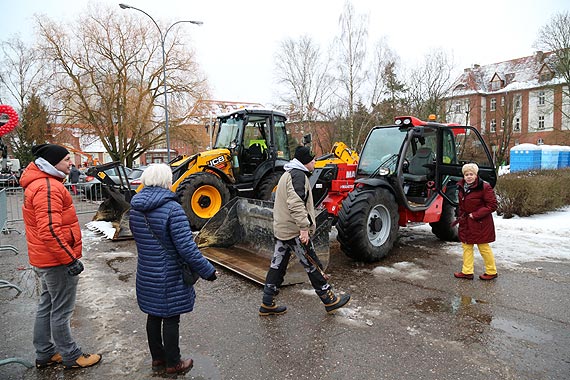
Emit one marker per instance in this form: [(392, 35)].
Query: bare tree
[(304, 74), (429, 83), (555, 37), (21, 72), (351, 61), (23, 80), (109, 77), (505, 121)]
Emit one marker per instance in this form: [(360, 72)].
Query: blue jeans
[(52, 329)]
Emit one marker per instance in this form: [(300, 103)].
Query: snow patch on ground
[(519, 240), (405, 269)]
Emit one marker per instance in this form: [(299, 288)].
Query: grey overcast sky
[(483, 31)]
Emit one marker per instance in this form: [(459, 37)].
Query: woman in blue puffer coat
[(163, 238)]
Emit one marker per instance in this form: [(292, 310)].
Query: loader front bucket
[(240, 238), (115, 209)]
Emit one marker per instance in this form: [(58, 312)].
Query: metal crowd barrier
[(86, 200)]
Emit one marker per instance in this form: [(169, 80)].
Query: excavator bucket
[(240, 238), (115, 210)]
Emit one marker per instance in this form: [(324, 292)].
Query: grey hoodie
[(293, 210)]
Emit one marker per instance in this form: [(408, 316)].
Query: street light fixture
[(162, 40)]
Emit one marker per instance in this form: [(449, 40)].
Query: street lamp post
[(162, 40)]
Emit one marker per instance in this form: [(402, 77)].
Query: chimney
[(476, 66), (539, 56), (467, 70)]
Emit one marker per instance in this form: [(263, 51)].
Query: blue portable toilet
[(549, 157), (525, 157), (564, 157)]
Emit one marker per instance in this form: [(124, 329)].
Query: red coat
[(480, 200), (52, 228)]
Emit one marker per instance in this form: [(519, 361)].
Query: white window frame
[(540, 123), (518, 101), (493, 104), (517, 125), (493, 126), (541, 98), (457, 107)]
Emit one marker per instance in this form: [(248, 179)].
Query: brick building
[(523, 97)]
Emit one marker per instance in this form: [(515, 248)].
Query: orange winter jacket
[(52, 227)]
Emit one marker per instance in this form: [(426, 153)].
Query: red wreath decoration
[(12, 119)]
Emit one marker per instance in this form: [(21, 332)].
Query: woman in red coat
[(477, 202)]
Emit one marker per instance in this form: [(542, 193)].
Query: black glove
[(212, 277), (75, 267)]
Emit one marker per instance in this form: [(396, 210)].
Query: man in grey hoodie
[(293, 222)]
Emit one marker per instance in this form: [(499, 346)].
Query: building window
[(517, 102), (502, 101), (495, 85), (539, 141), (540, 122), (517, 126), (458, 107), (541, 98), (493, 104), (493, 125), (502, 124), (545, 76)]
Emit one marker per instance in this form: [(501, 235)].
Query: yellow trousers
[(487, 254)]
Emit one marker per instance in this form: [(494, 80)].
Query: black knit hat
[(50, 152), (304, 154)]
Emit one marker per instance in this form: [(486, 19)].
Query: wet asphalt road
[(408, 319)]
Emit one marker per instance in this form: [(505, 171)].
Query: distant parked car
[(91, 186), (135, 175), (9, 179)]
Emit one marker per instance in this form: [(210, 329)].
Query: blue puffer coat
[(160, 289)]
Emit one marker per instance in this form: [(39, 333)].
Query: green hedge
[(533, 192)]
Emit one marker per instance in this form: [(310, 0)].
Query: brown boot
[(463, 275), (55, 359), (182, 367), (158, 365), (84, 361), (487, 277)]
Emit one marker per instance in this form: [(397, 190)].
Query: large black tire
[(202, 195), (443, 229), (268, 185), (368, 224)]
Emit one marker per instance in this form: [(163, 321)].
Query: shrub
[(533, 192)]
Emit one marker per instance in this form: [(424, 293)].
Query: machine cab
[(255, 138), (421, 160)]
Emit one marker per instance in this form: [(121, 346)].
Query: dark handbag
[(189, 277)]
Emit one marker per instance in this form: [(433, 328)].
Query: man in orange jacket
[(54, 249)]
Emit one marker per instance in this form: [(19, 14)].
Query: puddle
[(521, 331), (453, 306), (114, 265)]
